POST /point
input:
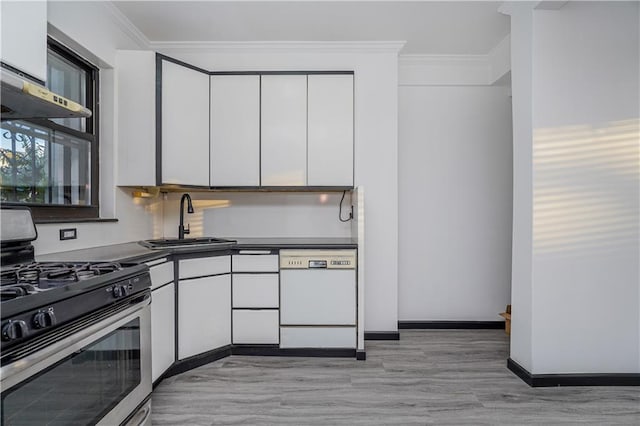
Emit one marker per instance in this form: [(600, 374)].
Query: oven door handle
[(31, 364)]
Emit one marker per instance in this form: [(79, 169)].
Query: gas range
[(80, 327), (38, 297)]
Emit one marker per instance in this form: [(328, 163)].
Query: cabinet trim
[(203, 276), (179, 62), (22, 73), (256, 309), (162, 286), (158, 119)]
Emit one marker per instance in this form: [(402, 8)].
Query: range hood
[(23, 99)]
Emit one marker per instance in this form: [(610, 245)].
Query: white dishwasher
[(318, 293)]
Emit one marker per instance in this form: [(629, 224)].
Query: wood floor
[(428, 377)]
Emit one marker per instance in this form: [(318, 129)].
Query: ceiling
[(428, 27)]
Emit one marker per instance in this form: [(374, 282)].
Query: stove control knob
[(44, 319), (14, 330), (120, 291)]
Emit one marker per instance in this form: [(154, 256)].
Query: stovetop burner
[(24, 279)]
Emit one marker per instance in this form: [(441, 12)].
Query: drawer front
[(255, 263), (256, 291), (317, 337), (255, 327), (204, 266), (161, 274)]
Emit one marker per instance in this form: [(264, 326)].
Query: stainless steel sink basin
[(169, 243)]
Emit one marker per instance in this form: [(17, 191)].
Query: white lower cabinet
[(204, 314), (256, 326), (162, 330)]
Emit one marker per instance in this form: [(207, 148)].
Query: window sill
[(71, 220)]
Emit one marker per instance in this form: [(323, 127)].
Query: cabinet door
[(284, 130), (235, 130), (204, 315), (162, 330), (185, 125), (24, 36), (330, 127)]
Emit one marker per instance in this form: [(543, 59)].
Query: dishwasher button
[(317, 264)]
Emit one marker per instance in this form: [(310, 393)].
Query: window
[(51, 165)]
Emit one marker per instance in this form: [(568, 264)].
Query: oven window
[(82, 388)]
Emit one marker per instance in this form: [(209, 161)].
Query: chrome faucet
[(181, 230)]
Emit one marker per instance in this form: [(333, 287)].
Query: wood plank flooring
[(429, 377)]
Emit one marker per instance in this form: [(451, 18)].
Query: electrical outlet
[(68, 234)]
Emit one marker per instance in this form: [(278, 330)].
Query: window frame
[(51, 213)]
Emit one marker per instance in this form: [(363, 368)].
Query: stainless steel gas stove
[(74, 336)]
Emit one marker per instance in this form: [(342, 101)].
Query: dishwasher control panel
[(318, 259)]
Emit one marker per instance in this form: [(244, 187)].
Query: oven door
[(98, 375)]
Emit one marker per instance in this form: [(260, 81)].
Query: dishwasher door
[(318, 297)]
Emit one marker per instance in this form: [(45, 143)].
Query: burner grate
[(24, 279)]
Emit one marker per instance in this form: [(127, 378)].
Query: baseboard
[(361, 355), (451, 325), (195, 361), (588, 379), (381, 335)]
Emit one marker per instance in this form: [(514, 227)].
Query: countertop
[(135, 253), (126, 252)]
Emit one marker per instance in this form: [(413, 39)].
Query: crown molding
[(126, 25), (280, 46)]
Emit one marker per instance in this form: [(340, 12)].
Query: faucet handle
[(187, 230)]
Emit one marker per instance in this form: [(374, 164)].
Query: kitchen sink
[(169, 243)]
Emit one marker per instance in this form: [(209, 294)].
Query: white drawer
[(317, 337), (161, 273), (255, 327), (256, 291), (255, 263), (204, 266)]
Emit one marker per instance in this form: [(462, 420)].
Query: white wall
[(376, 133), (576, 97), (454, 202), (586, 168), (93, 30), (521, 266)]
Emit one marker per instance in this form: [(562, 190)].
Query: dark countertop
[(136, 253), (126, 252)]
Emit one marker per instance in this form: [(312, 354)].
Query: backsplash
[(260, 214)]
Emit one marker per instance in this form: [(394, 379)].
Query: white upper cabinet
[(136, 96), (284, 130), (235, 130), (24, 36), (185, 125), (330, 130)]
